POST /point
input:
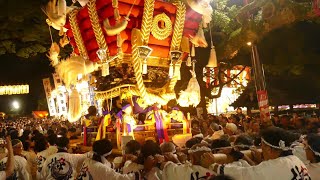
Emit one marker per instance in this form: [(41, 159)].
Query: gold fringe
[(77, 34)]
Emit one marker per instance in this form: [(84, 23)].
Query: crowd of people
[(235, 147)]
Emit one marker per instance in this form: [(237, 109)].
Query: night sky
[(15, 70)]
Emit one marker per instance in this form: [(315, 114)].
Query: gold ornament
[(163, 32)]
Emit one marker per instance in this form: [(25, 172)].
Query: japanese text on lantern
[(14, 89)]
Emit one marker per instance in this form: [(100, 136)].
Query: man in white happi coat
[(312, 148), (97, 168), (49, 149), (62, 165), (188, 171), (9, 167), (279, 162), (21, 167)]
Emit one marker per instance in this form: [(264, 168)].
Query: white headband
[(107, 154), (282, 145), (315, 152), (197, 149)]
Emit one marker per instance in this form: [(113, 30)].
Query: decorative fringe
[(199, 40), (213, 58), (145, 67), (53, 54), (171, 70), (190, 96), (74, 113), (69, 69)]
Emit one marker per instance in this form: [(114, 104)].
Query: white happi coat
[(94, 170), (42, 156), (172, 171), (62, 165), (282, 168), (21, 168), (314, 170)]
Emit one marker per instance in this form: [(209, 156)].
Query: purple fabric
[(175, 108), (105, 112), (159, 125), (129, 128), (125, 107)]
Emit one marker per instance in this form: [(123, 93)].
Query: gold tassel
[(171, 70), (193, 51), (213, 58), (145, 67), (189, 61), (177, 71), (105, 69)]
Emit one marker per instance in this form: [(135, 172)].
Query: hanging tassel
[(193, 51), (145, 67), (171, 70), (199, 39), (212, 63), (74, 111), (177, 71), (105, 69), (189, 61)]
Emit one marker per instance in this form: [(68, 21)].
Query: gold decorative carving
[(161, 26)]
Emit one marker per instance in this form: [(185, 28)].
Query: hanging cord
[(50, 34), (127, 17), (211, 41)]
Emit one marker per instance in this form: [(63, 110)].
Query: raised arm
[(10, 161)]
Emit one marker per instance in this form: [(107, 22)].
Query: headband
[(315, 152), (197, 149), (282, 145)]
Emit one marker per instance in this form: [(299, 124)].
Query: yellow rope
[(98, 33), (77, 34), (178, 26), (147, 20)]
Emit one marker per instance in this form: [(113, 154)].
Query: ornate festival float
[(130, 53)]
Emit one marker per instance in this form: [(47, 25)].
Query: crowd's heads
[(133, 147), (231, 129), (167, 147), (52, 139), (92, 111), (150, 148), (275, 142), (243, 142), (101, 148), (196, 152), (40, 145), (62, 142), (17, 146), (193, 141), (313, 148), (217, 144)]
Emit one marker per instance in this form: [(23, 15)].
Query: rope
[(50, 34)]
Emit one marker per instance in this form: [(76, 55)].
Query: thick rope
[(77, 34), (147, 20)]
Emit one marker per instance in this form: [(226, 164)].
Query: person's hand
[(256, 154), (149, 163), (171, 157), (207, 159), (182, 157), (8, 144), (130, 157)]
